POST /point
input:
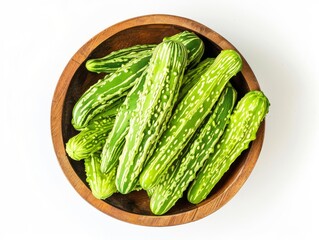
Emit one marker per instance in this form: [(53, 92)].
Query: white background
[(279, 39)]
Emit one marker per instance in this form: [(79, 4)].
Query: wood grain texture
[(75, 79)]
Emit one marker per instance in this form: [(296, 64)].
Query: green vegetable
[(89, 140), (108, 114), (161, 120), (102, 185), (241, 130), (189, 114), (116, 139), (111, 62), (175, 182), (154, 106), (114, 144), (194, 45), (108, 90), (177, 159), (116, 85), (192, 76)]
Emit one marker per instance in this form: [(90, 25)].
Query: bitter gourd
[(172, 188), (194, 45), (189, 114), (114, 86), (111, 62), (114, 60), (114, 144), (106, 91), (102, 185), (89, 140), (176, 162), (192, 76), (104, 117), (115, 140), (154, 106), (241, 130)]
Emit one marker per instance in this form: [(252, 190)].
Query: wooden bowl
[(75, 79)]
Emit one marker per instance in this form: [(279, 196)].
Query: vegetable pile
[(163, 119)]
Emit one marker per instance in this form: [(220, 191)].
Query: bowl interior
[(137, 203)]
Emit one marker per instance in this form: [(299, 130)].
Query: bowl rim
[(199, 211)]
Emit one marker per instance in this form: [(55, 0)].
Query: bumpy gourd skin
[(102, 185), (192, 76), (116, 59), (154, 106), (194, 45), (241, 130), (116, 85), (106, 117), (89, 140), (116, 139), (157, 135), (175, 183), (114, 144), (106, 91), (189, 114)]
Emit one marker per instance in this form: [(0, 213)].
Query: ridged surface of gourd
[(106, 116), (176, 162), (102, 185), (175, 182), (108, 90), (189, 114), (116, 85), (241, 130), (192, 76), (155, 103), (111, 62), (194, 45), (114, 144), (115, 140), (90, 140)]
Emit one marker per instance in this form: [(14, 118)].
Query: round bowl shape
[(75, 79)]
